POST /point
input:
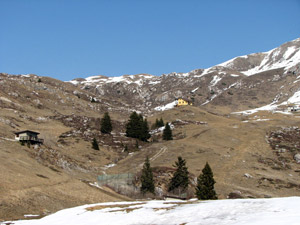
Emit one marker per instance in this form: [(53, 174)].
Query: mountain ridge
[(211, 85)]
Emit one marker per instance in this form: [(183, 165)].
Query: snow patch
[(195, 89), (5, 99), (269, 107), (289, 52), (30, 215), (154, 82), (295, 99), (75, 82), (165, 107), (110, 165), (215, 80), (25, 75), (290, 58), (279, 211)]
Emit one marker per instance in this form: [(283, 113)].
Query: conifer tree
[(167, 133), (137, 127), (180, 178), (132, 127), (156, 125), (147, 178), (161, 122), (106, 126), (145, 135), (95, 144), (205, 184)]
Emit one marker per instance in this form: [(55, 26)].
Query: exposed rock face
[(241, 83), (297, 158)]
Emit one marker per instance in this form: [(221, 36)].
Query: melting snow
[(165, 107), (129, 79), (30, 215), (289, 52), (295, 99), (290, 58), (154, 82), (110, 165), (25, 75), (285, 61), (195, 89), (269, 107), (5, 99), (73, 82), (276, 211), (258, 120), (215, 80)]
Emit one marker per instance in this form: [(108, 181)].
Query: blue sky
[(67, 39)]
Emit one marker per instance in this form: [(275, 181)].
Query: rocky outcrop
[(244, 82)]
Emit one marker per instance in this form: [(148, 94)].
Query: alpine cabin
[(28, 136), (183, 101)]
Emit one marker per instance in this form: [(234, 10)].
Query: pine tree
[(161, 122), (205, 184), (145, 135), (180, 179), (95, 144), (147, 178), (167, 133), (137, 127), (132, 127), (158, 123), (106, 126)]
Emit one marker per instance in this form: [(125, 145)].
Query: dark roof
[(26, 131)]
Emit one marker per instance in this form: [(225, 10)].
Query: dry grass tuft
[(99, 207), (126, 210)]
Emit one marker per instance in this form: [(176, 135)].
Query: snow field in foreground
[(276, 211)]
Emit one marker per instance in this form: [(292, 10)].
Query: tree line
[(136, 127), (180, 180)]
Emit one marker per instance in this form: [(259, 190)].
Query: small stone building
[(183, 101), (28, 136)]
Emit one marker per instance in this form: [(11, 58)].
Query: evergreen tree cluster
[(159, 123), (137, 127), (147, 178), (180, 180), (106, 126)]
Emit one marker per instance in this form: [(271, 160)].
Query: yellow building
[(182, 101)]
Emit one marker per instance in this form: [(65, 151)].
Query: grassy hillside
[(58, 174)]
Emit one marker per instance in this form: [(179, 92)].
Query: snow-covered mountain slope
[(129, 79), (273, 73), (277, 211), (286, 56)]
